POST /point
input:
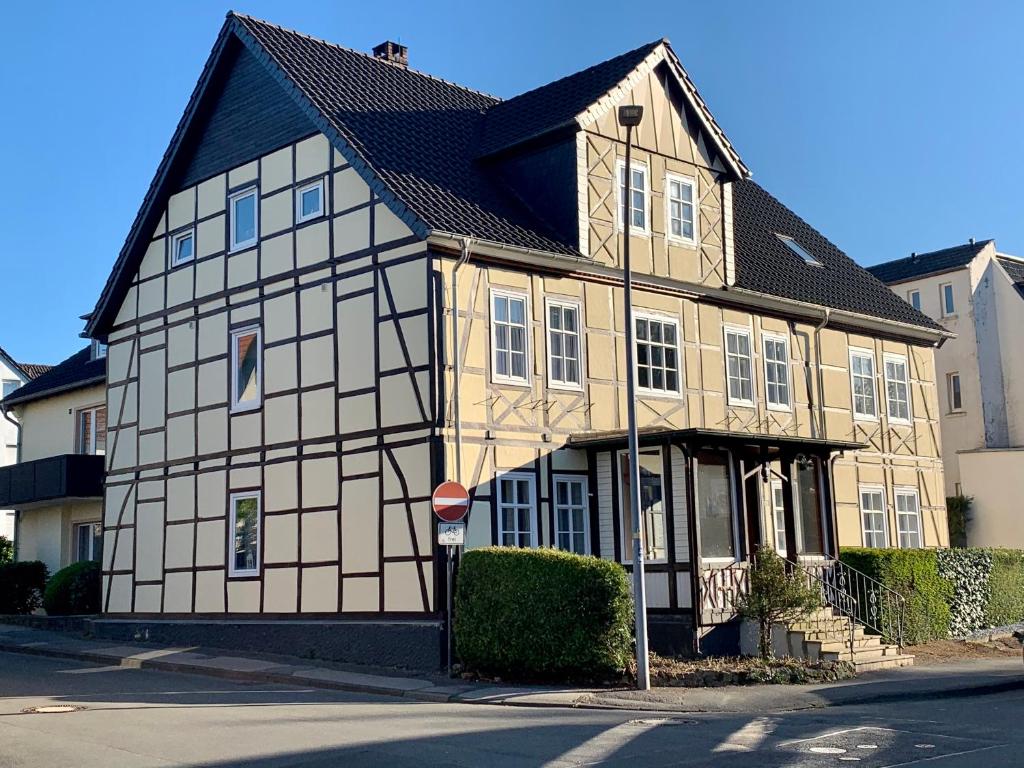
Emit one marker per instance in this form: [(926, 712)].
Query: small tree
[(6, 550), (775, 597)]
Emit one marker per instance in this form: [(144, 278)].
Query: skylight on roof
[(796, 248)]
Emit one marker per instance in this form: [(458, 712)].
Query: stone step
[(836, 644), (862, 654), (886, 662)]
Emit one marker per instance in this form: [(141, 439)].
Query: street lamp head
[(630, 115)]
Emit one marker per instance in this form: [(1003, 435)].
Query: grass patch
[(714, 672)]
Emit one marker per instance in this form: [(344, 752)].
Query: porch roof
[(652, 435)]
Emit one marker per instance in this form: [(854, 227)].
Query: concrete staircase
[(825, 636)]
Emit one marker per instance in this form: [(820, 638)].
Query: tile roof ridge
[(243, 17), (651, 45)]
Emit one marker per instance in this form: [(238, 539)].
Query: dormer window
[(796, 248)]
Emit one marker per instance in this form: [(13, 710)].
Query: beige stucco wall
[(340, 446), (48, 425), (46, 532), (995, 479)]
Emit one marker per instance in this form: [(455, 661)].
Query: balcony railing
[(69, 476)]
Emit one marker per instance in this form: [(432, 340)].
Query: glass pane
[(501, 309), (184, 249), (101, 430), (669, 333), (714, 505), (97, 542), (244, 216), (85, 432), (641, 330), (569, 320), (246, 534), (247, 385), (517, 311), (811, 538), (518, 338), (311, 202), (554, 318)]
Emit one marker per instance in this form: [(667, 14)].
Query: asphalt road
[(147, 718)]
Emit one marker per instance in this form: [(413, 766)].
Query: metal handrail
[(861, 598)]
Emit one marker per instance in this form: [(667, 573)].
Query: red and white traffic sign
[(450, 501)]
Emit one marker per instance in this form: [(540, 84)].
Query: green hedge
[(21, 586), (6, 550), (913, 573), (74, 591), (542, 614), (1006, 588)]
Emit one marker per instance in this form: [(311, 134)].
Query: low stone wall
[(417, 645)]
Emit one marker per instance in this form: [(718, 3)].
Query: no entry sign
[(450, 501)]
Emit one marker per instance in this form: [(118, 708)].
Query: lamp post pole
[(630, 116)]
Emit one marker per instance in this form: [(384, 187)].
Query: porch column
[(788, 508)]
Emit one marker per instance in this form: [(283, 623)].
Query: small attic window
[(796, 248)]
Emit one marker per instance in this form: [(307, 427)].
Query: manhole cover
[(52, 709)]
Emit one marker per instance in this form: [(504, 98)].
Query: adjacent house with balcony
[(977, 293), (12, 376), (285, 387), (56, 484)]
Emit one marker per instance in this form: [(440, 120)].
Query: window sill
[(865, 419), (655, 394), (693, 245), (312, 217), (241, 408), (518, 383), (740, 404), (779, 408), (239, 247), (565, 386)]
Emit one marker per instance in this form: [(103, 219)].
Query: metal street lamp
[(630, 117)]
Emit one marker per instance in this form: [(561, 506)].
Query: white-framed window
[(739, 366), (779, 516), (862, 384), (244, 534), (637, 212), (908, 518), (776, 372), (946, 299), (91, 428), (510, 338), (954, 394), (681, 208), (516, 510), (183, 247), (564, 345), (88, 542), (571, 528), (653, 533), (872, 516), (10, 385), (808, 258), (309, 201), (246, 369), (914, 298), (244, 211), (897, 388), (657, 354), (99, 349)]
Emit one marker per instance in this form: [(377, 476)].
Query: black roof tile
[(78, 371), (1014, 268), (920, 264), (765, 264), (555, 105)]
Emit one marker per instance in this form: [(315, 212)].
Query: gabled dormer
[(561, 150)]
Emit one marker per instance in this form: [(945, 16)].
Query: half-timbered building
[(285, 387)]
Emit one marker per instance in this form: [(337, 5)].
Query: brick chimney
[(391, 51)]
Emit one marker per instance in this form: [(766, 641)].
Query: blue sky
[(891, 127)]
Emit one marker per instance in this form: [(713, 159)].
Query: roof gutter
[(731, 295), (57, 390)]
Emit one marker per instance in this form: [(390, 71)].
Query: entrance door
[(652, 506), (715, 506), (809, 511)]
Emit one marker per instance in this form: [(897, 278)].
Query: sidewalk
[(972, 678)]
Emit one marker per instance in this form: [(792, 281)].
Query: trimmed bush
[(74, 591), (21, 586), (969, 571), (913, 573), (542, 614), (6, 550), (1006, 588)]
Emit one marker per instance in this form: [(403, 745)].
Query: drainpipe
[(17, 459), (456, 364), (821, 384)]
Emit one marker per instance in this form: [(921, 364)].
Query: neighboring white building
[(12, 376), (978, 294)]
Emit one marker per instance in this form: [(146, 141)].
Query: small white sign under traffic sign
[(451, 534)]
